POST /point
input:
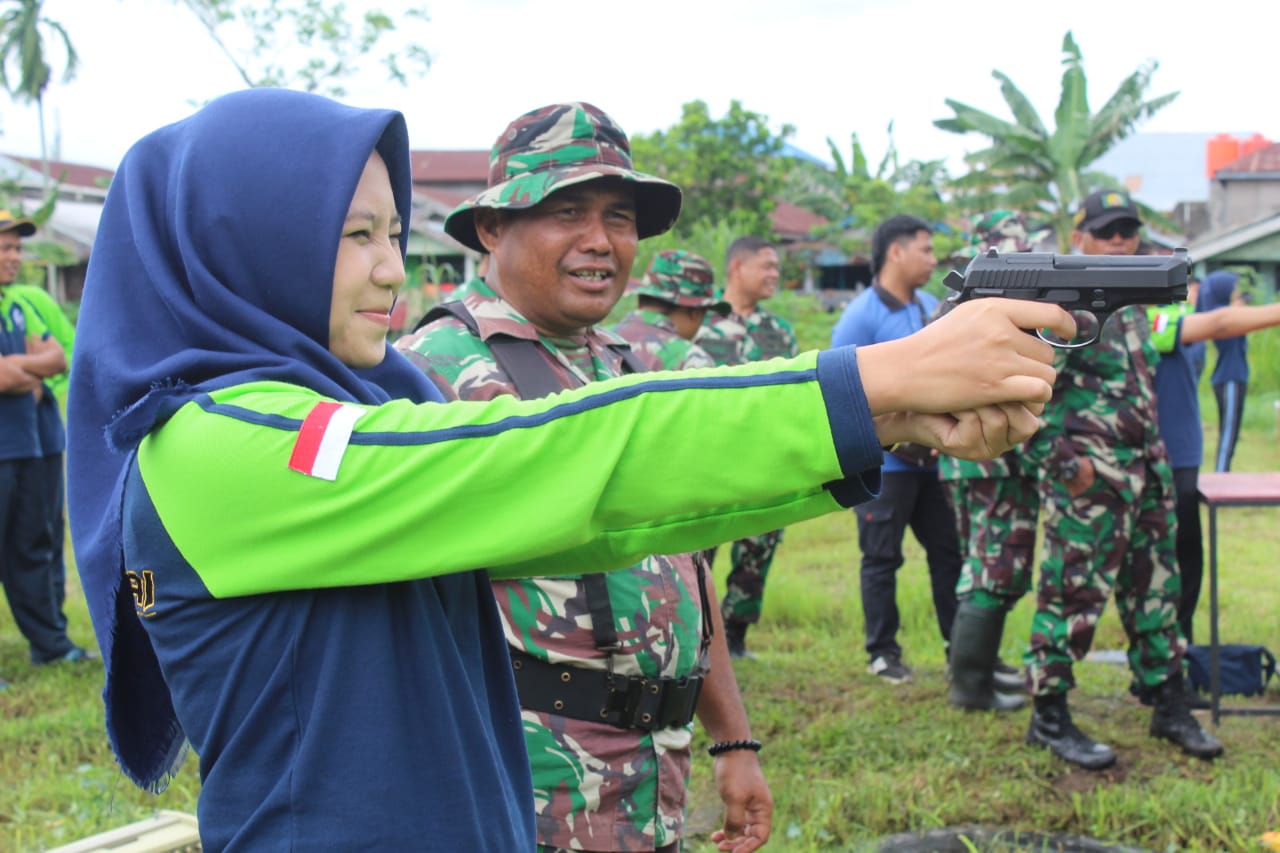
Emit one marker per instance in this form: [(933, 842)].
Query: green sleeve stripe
[(591, 478)]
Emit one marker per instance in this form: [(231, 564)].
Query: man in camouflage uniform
[(672, 300), (561, 219), (996, 505), (1108, 503), (749, 332)]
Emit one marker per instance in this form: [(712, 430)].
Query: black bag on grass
[(1243, 670)]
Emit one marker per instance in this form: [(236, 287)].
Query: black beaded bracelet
[(730, 745)]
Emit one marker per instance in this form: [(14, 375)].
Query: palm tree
[(24, 71), (1029, 168)]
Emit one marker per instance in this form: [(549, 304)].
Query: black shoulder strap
[(631, 362), (519, 358)]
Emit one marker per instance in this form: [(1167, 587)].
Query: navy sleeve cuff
[(852, 429)]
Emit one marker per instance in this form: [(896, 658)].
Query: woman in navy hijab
[(278, 532), (346, 717)]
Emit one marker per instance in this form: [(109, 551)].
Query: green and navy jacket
[(281, 552), (390, 508)]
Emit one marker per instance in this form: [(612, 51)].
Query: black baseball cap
[(1101, 208)]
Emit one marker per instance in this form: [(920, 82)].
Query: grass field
[(849, 759)]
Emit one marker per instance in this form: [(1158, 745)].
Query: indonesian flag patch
[(323, 439)]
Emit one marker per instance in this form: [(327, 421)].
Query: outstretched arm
[(970, 384), (975, 355), (1229, 322)]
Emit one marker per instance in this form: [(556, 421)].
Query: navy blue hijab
[(212, 266)]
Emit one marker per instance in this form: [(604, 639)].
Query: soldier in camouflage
[(1108, 503), (996, 505), (673, 298), (561, 219), (749, 332)]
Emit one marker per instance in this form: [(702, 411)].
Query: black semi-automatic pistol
[(1091, 287)]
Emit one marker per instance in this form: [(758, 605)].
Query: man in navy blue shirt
[(902, 262), (1175, 329)]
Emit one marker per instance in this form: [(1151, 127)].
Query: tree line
[(734, 168)]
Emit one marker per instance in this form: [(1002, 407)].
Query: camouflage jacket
[(653, 338), (770, 335), (737, 339), (1103, 406), (1004, 465), (596, 786)]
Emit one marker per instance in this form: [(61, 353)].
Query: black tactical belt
[(625, 701)]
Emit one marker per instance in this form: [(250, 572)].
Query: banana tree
[(1031, 168), (24, 72)]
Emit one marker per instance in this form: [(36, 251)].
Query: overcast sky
[(826, 67)]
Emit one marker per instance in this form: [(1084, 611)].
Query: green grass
[(848, 759)]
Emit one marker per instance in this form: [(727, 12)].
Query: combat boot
[(975, 646), (1051, 726), (1172, 720), (735, 637), (1146, 696)]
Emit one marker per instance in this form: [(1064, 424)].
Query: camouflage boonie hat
[(1005, 231), (559, 146), (681, 278)]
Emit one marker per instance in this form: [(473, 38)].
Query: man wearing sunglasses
[(1107, 501)]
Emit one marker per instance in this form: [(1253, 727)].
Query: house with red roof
[(443, 179), (81, 192)]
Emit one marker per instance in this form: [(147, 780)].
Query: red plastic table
[(1228, 490)]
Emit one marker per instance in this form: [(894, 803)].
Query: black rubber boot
[(1171, 719), (1009, 679), (735, 636), (1009, 682), (1051, 726), (975, 646)]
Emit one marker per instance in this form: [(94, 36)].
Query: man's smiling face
[(564, 262)]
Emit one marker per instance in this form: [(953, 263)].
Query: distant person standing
[(911, 495), (1230, 378), (673, 298), (749, 332), (31, 444), (997, 505)]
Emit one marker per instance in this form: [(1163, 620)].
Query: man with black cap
[(31, 444), (1107, 503)]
